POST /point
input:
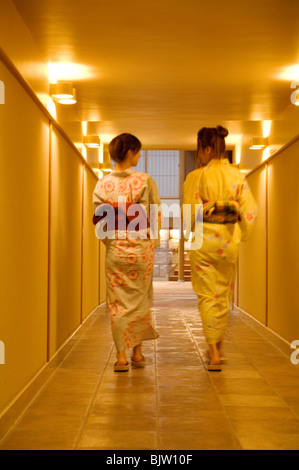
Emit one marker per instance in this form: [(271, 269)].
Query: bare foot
[(214, 354), (137, 356), (121, 358)]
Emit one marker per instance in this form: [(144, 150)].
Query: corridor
[(174, 403)]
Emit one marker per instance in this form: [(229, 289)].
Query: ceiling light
[(258, 143), (289, 73), (63, 92), (91, 141), (67, 71)]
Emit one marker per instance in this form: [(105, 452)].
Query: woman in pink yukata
[(129, 259)]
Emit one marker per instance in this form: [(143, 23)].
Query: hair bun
[(221, 131)]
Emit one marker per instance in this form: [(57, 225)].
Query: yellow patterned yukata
[(129, 261), (213, 266)]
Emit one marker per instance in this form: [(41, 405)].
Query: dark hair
[(212, 137), (120, 145)]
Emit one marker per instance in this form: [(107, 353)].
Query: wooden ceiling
[(163, 69)]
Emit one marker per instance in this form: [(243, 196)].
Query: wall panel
[(49, 270), (65, 246), (283, 268), (24, 164), (102, 285), (252, 259), (269, 261), (91, 248)]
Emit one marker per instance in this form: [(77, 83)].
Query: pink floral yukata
[(129, 261)]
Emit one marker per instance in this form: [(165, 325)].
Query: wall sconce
[(63, 92), (91, 141), (258, 143)]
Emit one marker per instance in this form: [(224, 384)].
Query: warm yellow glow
[(67, 101), (266, 154), (238, 153), (84, 152), (255, 115), (63, 92), (84, 127), (62, 96), (174, 234), (92, 146), (68, 71), (236, 141), (106, 138), (51, 107), (164, 234), (92, 141), (101, 152), (258, 143), (289, 73), (266, 125), (44, 98), (81, 149)]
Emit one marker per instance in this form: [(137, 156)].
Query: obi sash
[(221, 212), (120, 215)]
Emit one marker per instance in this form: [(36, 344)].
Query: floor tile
[(269, 441), (119, 440), (173, 403), (252, 400), (198, 441)]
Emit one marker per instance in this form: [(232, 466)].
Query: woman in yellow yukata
[(227, 216), (129, 255)]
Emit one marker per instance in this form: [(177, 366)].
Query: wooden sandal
[(121, 368), (138, 364), (214, 367)]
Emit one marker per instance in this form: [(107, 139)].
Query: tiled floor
[(174, 403)]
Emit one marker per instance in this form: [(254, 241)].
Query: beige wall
[(102, 273), (283, 247), (91, 251), (252, 259), (24, 153), (65, 242), (49, 271), (269, 261)]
